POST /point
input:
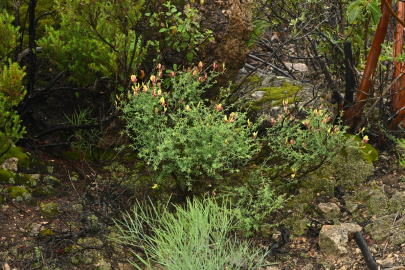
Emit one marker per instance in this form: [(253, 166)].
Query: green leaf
[(354, 14), (190, 56), (77, 94), (375, 12), (147, 14), (162, 30), (175, 67), (121, 88)]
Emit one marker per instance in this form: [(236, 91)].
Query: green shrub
[(11, 90), (195, 237), (178, 134), (297, 147)]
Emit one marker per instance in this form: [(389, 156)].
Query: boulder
[(333, 238), (52, 181), (379, 229), (20, 194), (10, 164), (47, 191), (397, 202), (378, 202), (331, 210), (49, 209)]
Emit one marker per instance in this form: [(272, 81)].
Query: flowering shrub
[(302, 146), (178, 134)]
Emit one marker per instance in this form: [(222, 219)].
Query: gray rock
[(379, 229), (277, 236), (378, 203), (331, 210), (397, 202), (33, 229), (352, 227), (10, 164), (398, 232), (52, 181), (309, 266), (333, 239)]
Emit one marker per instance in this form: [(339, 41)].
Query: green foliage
[(11, 90), (181, 34), (85, 139), (298, 147), (177, 133), (9, 34), (401, 143), (98, 35), (255, 201), (195, 237), (355, 8)]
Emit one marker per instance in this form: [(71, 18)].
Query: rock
[(125, 266), (77, 208), (272, 268), (378, 203), (297, 67), (398, 232), (49, 209), (351, 206), (25, 179), (49, 169), (309, 266), (331, 210), (333, 239), (52, 181), (47, 191), (20, 194), (10, 164), (277, 237), (352, 227), (379, 229), (33, 229), (397, 202), (386, 262)]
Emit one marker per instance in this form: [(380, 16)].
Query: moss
[(21, 194), (5, 176), (46, 232), (25, 179), (52, 181), (47, 191), (14, 151), (254, 78), (49, 209), (276, 95)]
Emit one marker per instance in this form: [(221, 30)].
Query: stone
[(47, 191), (52, 181), (49, 209), (351, 206), (398, 232), (309, 266), (330, 210), (77, 208), (378, 203), (297, 67), (386, 262), (277, 237), (10, 164), (33, 229), (397, 202), (20, 194), (352, 227), (333, 239), (258, 95), (379, 229)]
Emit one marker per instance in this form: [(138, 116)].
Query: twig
[(5, 196)]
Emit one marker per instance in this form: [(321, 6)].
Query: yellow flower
[(154, 186)]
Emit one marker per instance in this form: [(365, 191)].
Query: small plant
[(297, 147), (179, 135), (195, 237), (86, 139), (181, 34)]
